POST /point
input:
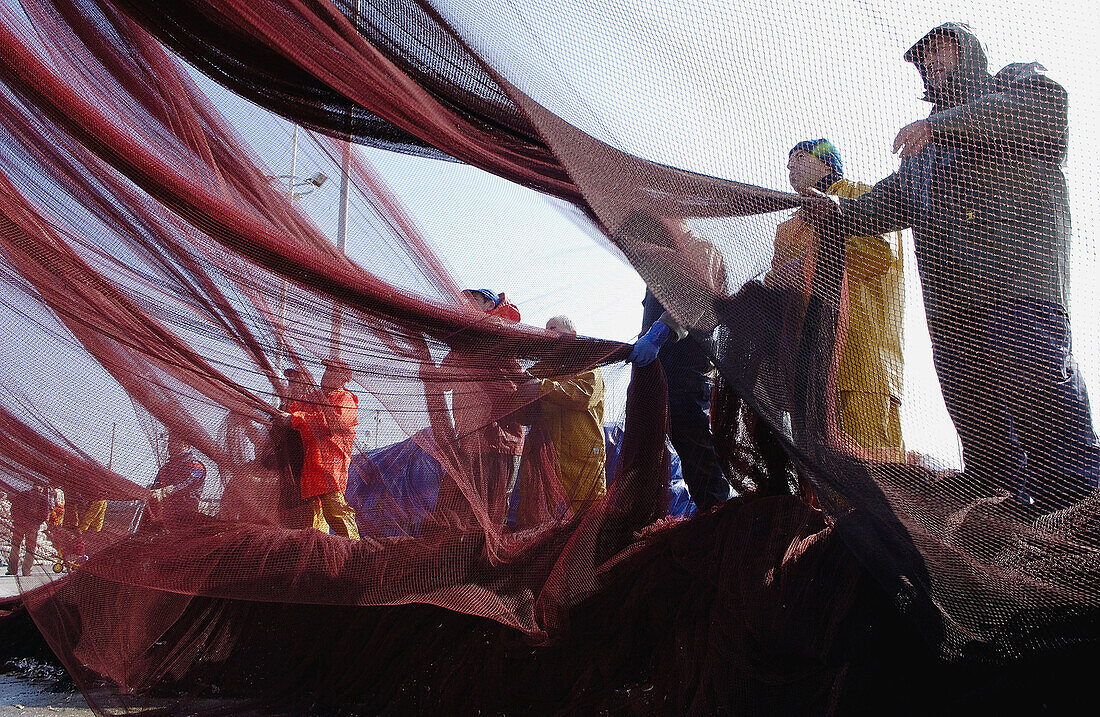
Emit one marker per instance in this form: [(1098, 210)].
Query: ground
[(29, 691)]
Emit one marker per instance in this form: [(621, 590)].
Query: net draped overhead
[(149, 259)]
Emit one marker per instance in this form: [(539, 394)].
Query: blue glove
[(646, 348)]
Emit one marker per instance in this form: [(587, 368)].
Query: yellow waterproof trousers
[(873, 420), (332, 511)]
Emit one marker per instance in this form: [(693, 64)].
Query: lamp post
[(294, 183), (307, 184), (293, 162), (341, 237), (342, 218), (345, 171)]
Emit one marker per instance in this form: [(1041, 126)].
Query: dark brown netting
[(256, 556), (265, 64)]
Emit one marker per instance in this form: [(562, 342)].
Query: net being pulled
[(497, 556)]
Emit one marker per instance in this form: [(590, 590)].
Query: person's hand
[(824, 212), (912, 138), (647, 347), (644, 352)]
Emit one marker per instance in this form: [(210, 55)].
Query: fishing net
[(347, 484)]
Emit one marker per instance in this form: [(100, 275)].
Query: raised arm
[(888, 207), (1031, 109), (579, 392), (873, 255)]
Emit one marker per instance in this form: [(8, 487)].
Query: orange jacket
[(327, 423)]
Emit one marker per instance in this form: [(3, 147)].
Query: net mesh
[(338, 463)]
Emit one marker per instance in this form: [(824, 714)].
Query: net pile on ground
[(148, 257)]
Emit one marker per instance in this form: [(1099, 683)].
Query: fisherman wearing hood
[(981, 186), (484, 385)]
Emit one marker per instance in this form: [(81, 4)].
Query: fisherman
[(288, 453), (29, 509), (180, 481), (870, 374), (483, 388), (492, 303), (686, 361), (83, 515), (569, 416), (298, 384), (327, 419), (981, 186)]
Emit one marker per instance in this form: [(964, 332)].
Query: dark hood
[(964, 84)]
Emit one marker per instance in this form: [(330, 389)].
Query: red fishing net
[(498, 554)]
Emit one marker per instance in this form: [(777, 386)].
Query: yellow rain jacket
[(571, 413), (872, 359)]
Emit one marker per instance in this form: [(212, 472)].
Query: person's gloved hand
[(646, 348)]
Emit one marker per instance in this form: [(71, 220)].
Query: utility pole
[(293, 163), (341, 236), (345, 191), (282, 282), (342, 218)]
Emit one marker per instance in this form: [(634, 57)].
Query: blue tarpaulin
[(393, 487)]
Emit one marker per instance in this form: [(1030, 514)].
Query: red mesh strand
[(147, 258)]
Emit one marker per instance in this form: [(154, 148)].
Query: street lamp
[(309, 184), (342, 216), (294, 183)]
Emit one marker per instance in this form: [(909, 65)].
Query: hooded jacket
[(505, 309), (986, 198), (570, 416), (872, 361)]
